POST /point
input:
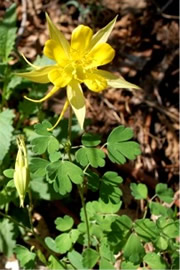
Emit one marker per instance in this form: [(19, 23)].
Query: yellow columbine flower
[(77, 63), (21, 173)]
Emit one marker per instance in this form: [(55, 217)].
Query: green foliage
[(54, 263), (75, 259), (62, 173), (7, 33), (64, 224), (90, 257), (164, 193), (119, 147), (8, 234), (94, 157), (155, 261), (139, 191), (25, 257), (6, 130)]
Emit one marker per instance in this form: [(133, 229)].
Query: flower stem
[(79, 187)]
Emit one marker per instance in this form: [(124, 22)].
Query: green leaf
[(6, 130), (63, 172), (90, 257), (46, 141), (105, 264), (38, 167), (54, 263), (90, 140), (106, 251), (64, 224), (9, 173), (155, 261), (74, 235), (134, 250), (146, 229), (25, 257), (109, 188), (8, 234), (63, 242), (50, 242), (7, 33), (160, 210), (139, 191), (75, 259), (90, 155), (168, 226), (161, 243), (164, 193), (118, 146), (93, 180), (129, 266)]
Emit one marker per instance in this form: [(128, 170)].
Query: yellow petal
[(61, 115), (29, 63), (95, 82), (81, 37), (103, 34), (115, 81), (52, 92), (39, 75), (59, 77), (77, 101), (55, 51), (56, 35), (101, 55)]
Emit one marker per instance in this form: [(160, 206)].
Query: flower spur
[(75, 63)]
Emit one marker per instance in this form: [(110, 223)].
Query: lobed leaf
[(139, 191)]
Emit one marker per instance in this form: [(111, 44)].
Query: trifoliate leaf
[(90, 258), (139, 191), (6, 130), (25, 257), (155, 261), (8, 33), (63, 243), (64, 224), (75, 259), (109, 188), (93, 156), (146, 229), (118, 146), (134, 250), (90, 140), (164, 193), (62, 173)]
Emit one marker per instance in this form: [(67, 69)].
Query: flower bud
[(21, 174)]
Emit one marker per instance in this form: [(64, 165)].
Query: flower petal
[(55, 51), (59, 77), (29, 63), (103, 34), (80, 40), (39, 75), (115, 81), (56, 35), (95, 82), (61, 115), (77, 101), (51, 92), (101, 55)]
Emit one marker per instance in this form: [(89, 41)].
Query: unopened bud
[(21, 174)]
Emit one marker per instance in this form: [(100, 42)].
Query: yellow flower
[(21, 173), (76, 63)]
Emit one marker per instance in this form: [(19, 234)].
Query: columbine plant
[(77, 63), (60, 170)]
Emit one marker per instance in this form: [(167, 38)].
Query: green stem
[(85, 215), (79, 187)]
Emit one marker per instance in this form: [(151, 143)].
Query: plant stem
[(79, 187), (85, 214)]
